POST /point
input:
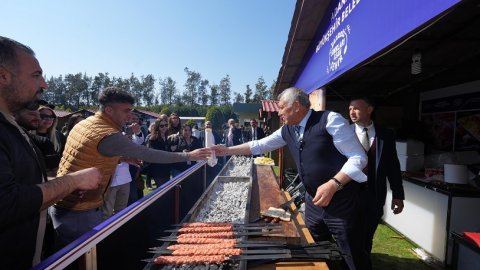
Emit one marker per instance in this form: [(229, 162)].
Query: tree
[(238, 97), (75, 87), (260, 90), (215, 115), (225, 90), (85, 94), (99, 82), (191, 86), (148, 87), (202, 92), (214, 95), (271, 91), (168, 90), (248, 94)]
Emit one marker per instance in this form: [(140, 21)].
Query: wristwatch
[(339, 184)]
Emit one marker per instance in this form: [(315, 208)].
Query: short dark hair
[(8, 52), (114, 94), (368, 100)]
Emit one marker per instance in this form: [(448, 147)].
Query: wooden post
[(317, 99), (89, 260)]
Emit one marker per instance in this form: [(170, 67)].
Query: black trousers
[(324, 224), (373, 215)]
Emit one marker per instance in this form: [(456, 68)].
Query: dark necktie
[(365, 140), (297, 132)]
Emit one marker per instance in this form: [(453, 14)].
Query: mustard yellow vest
[(81, 152)]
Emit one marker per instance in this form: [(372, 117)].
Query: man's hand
[(87, 179), (324, 194), (397, 206), (135, 128), (220, 149), (200, 154)]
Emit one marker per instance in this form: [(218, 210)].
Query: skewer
[(220, 229), (222, 235), (221, 251), (219, 224), (177, 260)]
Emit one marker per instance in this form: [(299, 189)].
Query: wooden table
[(265, 193)]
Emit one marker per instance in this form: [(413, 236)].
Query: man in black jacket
[(383, 164), (25, 193), (232, 135), (254, 132)]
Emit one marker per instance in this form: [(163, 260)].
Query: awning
[(268, 106), (149, 113), (352, 31)]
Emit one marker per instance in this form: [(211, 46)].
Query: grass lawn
[(393, 252)]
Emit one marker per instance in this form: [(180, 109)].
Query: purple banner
[(354, 30)]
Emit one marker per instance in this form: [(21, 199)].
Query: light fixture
[(416, 67)]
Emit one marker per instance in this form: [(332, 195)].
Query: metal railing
[(121, 241)]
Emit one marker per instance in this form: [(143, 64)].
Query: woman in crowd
[(158, 140), (183, 142), (174, 124), (48, 128)]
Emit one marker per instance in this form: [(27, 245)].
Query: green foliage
[(215, 115), (189, 122), (248, 94), (77, 91)]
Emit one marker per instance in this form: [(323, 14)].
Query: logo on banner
[(338, 49)]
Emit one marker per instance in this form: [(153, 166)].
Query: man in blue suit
[(383, 164)]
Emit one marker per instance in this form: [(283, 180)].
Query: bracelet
[(339, 184)]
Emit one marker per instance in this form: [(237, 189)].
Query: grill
[(227, 200)]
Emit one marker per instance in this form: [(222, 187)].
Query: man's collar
[(360, 127), (303, 123)]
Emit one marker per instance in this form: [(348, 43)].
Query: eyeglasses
[(47, 117), (162, 126)]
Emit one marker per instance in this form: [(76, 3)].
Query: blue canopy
[(354, 30)]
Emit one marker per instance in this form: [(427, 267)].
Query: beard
[(16, 103)]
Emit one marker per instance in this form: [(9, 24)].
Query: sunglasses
[(162, 126), (47, 117)]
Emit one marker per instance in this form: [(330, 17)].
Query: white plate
[(256, 162)]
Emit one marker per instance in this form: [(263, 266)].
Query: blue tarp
[(354, 30)]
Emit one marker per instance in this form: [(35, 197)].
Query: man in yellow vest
[(98, 142)]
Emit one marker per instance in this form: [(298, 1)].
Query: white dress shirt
[(122, 171), (370, 131), (344, 139)]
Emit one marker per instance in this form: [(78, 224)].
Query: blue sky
[(245, 39)]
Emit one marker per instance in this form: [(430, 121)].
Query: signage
[(354, 30)]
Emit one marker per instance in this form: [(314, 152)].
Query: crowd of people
[(91, 170)]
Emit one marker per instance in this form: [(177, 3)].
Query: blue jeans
[(69, 224)]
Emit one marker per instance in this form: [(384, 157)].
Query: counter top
[(454, 190), (266, 193)]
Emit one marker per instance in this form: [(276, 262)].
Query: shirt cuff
[(354, 173), (254, 147)]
